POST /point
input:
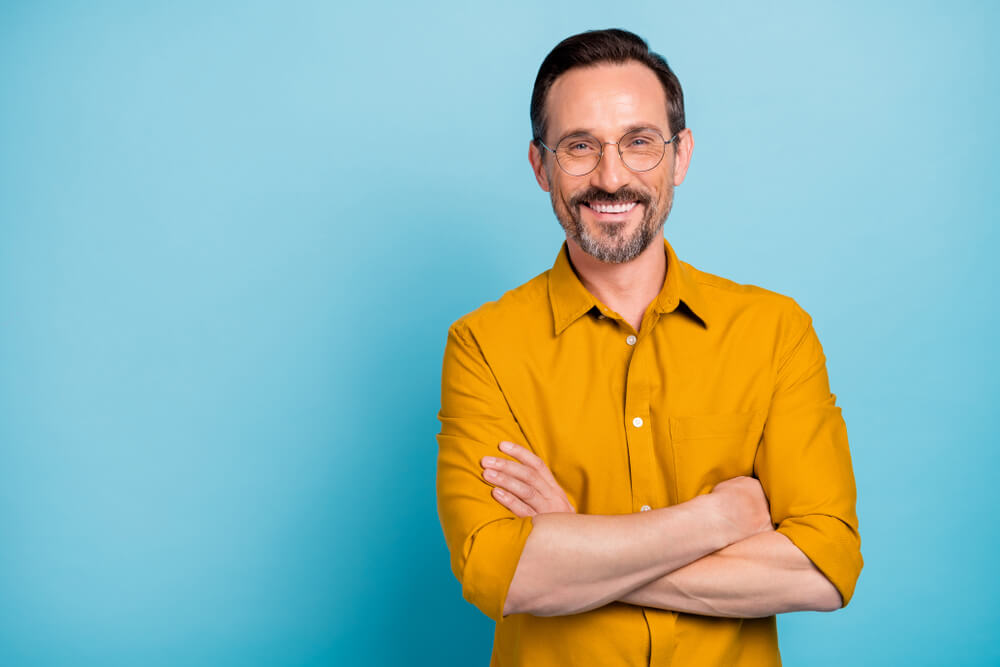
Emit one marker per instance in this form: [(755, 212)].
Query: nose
[(611, 173)]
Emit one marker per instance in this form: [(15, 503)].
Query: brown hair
[(603, 46)]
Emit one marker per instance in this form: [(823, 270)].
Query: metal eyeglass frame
[(601, 156)]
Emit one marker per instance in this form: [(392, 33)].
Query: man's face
[(612, 213)]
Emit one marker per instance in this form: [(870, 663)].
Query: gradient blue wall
[(232, 237)]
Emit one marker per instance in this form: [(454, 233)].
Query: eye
[(579, 146), (643, 139)]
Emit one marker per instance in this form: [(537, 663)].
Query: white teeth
[(613, 208)]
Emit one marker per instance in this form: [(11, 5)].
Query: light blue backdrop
[(233, 235)]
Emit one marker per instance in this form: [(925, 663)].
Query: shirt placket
[(638, 428), (642, 466)]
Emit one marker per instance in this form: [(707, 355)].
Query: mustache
[(594, 195)]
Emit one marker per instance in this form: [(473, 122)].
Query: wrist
[(719, 517)]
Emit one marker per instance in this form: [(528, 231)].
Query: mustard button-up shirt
[(721, 380)]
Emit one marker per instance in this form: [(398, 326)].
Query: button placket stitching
[(637, 431)]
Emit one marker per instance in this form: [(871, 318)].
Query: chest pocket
[(709, 449)]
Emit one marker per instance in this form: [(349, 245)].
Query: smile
[(611, 208)]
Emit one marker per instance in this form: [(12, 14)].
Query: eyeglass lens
[(641, 150)]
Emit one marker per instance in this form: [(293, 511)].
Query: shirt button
[(630, 340), (645, 508), (601, 317), (637, 422)]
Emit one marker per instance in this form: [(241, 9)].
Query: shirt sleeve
[(804, 463), (484, 537)]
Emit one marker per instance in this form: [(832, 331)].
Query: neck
[(627, 288)]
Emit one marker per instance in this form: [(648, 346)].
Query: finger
[(543, 480), (534, 471), (530, 459), (513, 503), (515, 469), (526, 492)]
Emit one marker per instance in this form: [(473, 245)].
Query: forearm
[(759, 576), (572, 562)]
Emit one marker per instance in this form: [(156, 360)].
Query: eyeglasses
[(579, 154)]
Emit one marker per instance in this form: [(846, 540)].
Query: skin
[(606, 101), (759, 575), (717, 554)]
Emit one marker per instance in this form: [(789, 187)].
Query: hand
[(526, 486), (744, 505)]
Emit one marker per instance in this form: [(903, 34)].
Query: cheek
[(561, 192), (663, 188)]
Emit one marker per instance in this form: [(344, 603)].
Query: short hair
[(603, 46)]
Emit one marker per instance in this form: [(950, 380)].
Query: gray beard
[(611, 245)]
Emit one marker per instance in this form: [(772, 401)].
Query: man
[(640, 463)]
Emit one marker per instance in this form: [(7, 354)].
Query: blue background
[(233, 235)]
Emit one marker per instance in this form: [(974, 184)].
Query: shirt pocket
[(709, 449)]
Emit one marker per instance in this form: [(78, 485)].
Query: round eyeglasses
[(579, 154)]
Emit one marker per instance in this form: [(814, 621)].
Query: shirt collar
[(570, 299)]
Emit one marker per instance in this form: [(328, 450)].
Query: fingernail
[(491, 473), (500, 493), (506, 446), (489, 460)]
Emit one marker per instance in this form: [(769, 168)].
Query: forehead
[(606, 99)]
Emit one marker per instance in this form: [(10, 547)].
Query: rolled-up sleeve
[(804, 462), (485, 539)]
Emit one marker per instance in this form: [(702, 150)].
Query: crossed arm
[(717, 554), (530, 552)]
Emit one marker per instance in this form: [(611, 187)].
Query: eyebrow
[(630, 128)]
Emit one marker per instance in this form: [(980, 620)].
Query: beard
[(610, 243)]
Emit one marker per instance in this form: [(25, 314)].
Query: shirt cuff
[(493, 558), (832, 545)]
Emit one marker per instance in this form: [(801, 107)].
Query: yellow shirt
[(722, 380)]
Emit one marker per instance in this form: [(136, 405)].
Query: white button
[(645, 508), (630, 340), (637, 422), (601, 317)]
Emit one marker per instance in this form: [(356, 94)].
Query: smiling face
[(612, 213)]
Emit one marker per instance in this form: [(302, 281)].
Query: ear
[(684, 147), (535, 157)]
